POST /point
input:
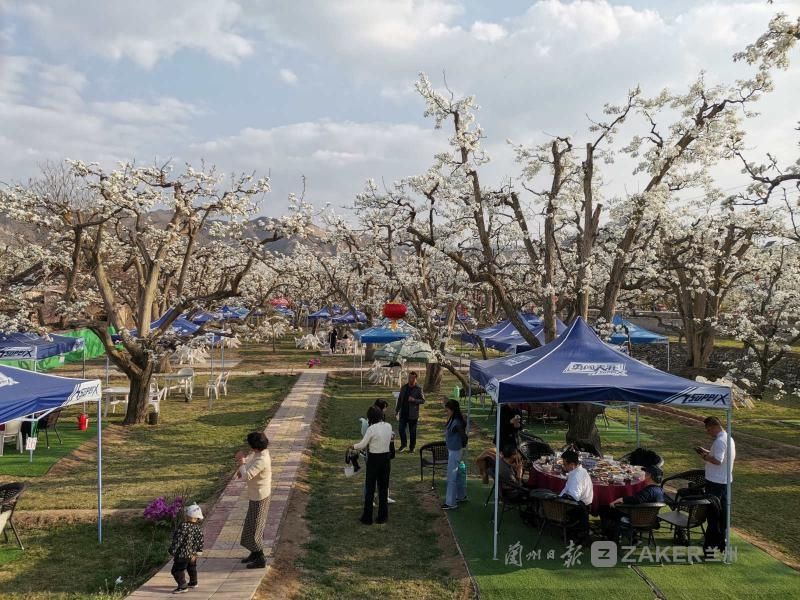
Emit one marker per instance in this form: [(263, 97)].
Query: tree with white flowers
[(151, 241)]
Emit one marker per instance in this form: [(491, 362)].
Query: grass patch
[(190, 450), (65, 562), (345, 559), (14, 464)]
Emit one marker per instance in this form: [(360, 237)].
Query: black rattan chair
[(438, 458), (694, 481), (641, 518), (9, 494), (559, 512), (48, 422), (689, 514)]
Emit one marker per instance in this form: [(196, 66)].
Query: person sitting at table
[(488, 456), (510, 426), (579, 488), (611, 516), (509, 474)]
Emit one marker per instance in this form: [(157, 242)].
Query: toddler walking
[(187, 543)]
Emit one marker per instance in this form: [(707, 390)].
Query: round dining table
[(603, 493)]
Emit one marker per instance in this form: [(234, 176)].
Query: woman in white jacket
[(256, 469), (377, 441)]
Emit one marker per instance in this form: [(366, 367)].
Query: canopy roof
[(380, 335), (504, 336), (638, 335), (323, 314), (348, 317), (26, 346), (24, 393), (580, 367)]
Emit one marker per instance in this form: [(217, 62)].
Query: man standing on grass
[(716, 460), (407, 411)]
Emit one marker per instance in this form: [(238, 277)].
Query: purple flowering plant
[(163, 512)]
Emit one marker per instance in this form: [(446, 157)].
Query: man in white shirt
[(579, 483), (578, 487), (716, 464)]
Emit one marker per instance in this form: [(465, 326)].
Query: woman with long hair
[(455, 434)]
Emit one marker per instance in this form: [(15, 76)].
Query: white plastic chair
[(223, 382), (212, 387), (12, 432), (186, 385), (156, 397)]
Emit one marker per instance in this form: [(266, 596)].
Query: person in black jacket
[(610, 517), (407, 411), (332, 340)]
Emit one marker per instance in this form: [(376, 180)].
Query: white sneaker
[(390, 501)]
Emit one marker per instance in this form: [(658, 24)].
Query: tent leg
[(106, 368), (728, 479), (667, 356), (629, 416), (496, 479), (99, 472), (637, 427), (84, 368)]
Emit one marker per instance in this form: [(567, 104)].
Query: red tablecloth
[(604, 493)]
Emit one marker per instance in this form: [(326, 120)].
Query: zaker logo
[(592, 368)]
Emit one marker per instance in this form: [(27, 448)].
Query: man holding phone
[(716, 466)]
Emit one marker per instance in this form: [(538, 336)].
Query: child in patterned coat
[(187, 543)]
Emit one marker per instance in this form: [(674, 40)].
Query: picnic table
[(181, 381), (113, 396), (604, 493)]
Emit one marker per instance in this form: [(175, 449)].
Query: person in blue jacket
[(455, 434)]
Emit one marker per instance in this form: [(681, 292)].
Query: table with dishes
[(610, 479)]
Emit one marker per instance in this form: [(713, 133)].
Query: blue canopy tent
[(235, 313), (32, 348), (504, 336), (28, 395), (380, 335), (322, 314), (580, 367), (349, 319), (633, 334), (206, 316)]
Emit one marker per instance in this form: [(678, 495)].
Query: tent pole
[(99, 472), (667, 355), (496, 476), (84, 366), (469, 401), (629, 416), (106, 368), (222, 354), (728, 480), (637, 427)]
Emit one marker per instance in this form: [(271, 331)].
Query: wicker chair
[(695, 480), (642, 518), (556, 511), (531, 451), (9, 494), (48, 422), (508, 500), (689, 514), (438, 458)]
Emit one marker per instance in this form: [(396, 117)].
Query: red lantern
[(279, 302), (394, 311)]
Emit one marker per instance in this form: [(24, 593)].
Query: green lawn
[(189, 452), (345, 559), (14, 464)]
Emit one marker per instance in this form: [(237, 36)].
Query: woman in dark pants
[(256, 469), (377, 441)]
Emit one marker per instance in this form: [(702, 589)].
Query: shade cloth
[(24, 393), (579, 367), (638, 335)]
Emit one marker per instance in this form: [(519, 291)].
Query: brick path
[(220, 573)]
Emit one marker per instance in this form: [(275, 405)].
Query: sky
[(323, 90)]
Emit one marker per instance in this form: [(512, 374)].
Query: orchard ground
[(415, 554)]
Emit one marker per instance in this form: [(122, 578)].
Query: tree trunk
[(582, 426), (138, 396), (433, 378)]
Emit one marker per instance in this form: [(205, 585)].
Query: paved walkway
[(220, 572)]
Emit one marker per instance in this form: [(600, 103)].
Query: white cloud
[(144, 31), (488, 32), (164, 110), (288, 76)]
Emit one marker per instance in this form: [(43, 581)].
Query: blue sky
[(324, 89)]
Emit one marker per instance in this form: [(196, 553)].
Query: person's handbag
[(392, 451), (349, 471)]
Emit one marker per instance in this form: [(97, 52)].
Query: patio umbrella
[(410, 350)]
